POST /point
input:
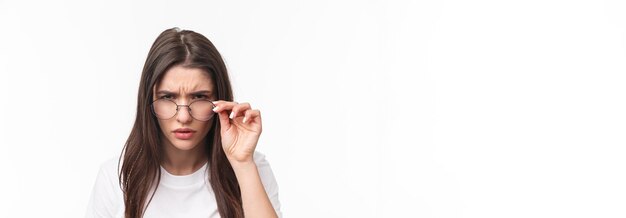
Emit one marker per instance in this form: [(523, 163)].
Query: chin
[(185, 145)]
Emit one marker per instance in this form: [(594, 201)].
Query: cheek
[(163, 125), (208, 126)]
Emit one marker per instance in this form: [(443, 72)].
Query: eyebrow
[(165, 92)]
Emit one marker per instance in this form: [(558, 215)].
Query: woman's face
[(184, 85)]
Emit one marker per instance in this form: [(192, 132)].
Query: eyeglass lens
[(199, 110)]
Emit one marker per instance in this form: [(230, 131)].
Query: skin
[(240, 131), (183, 157)]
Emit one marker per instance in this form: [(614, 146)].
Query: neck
[(183, 162)]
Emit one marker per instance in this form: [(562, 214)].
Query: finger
[(219, 105), (252, 115), (239, 110), (222, 114), (223, 106), (224, 121)]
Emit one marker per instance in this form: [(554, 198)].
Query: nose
[(183, 115)]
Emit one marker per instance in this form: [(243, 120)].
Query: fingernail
[(232, 114), (244, 119), (215, 109)]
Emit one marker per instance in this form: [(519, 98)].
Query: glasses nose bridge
[(178, 113), (178, 106)]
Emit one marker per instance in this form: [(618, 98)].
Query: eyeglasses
[(201, 110)]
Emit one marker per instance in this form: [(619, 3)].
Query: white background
[(370, 108)]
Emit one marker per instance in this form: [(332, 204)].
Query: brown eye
[(201, 96)]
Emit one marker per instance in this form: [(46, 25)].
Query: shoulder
[(109, 172), (263, 165), (110, 166), (259, 157), (268, 179), (106, 196)]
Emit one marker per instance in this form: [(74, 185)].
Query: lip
[(184, 133), (184, 130)]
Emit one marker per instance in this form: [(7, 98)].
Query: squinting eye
[(201, 96), (165, 97)]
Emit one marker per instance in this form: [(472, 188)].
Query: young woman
[(191, 151)]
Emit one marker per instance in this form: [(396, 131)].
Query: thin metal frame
[(181, 105)]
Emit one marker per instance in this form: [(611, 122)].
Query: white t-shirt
[(177, 196)]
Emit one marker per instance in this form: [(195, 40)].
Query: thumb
[(224, 121)]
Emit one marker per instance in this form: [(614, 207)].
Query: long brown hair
[(142, 153)]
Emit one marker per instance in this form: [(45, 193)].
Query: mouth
[(184, 133)]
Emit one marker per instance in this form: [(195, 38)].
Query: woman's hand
[(240, 130)]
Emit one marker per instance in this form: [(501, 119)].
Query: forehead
[(185, 79)]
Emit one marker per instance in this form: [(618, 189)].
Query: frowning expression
[(184, 86)]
